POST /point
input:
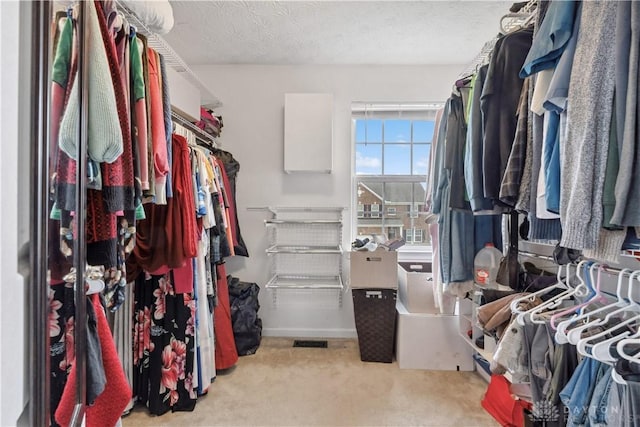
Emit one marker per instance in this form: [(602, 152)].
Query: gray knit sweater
[(590, 101), (627, 210)]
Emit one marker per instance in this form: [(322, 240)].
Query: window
[(413, 236), (393, 232), (375, 211), (392, 147)]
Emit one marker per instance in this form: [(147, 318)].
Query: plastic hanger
[(622, 352), (596, 297), (602, 350), (522, 313), (595, 317), (532, 296), (552, 302), (581, 290), (582, 344), (515, 304)]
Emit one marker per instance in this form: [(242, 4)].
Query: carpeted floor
[(285, 386)]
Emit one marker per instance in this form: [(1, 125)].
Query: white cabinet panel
[(308, 132)]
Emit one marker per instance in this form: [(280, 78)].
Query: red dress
[(226, 352), (168, 237)]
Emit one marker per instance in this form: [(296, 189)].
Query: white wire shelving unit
[(305, 249)]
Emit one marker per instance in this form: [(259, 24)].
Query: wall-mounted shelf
[(302, 282), (305, 250), (302, 221)]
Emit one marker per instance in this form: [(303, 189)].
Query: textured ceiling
[(333, 32)]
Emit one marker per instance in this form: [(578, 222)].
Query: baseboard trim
[(309, 333)]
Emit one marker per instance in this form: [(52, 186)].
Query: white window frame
[(408, 235), (392, 211), (375, 210), (391, 112)]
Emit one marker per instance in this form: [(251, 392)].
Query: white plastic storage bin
[(415, 286), (430, 341)]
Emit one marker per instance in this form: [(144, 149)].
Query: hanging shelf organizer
[(305, 249)]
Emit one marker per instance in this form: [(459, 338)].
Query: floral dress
[(61, 336), (163, 345)]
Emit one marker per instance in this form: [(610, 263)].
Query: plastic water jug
[(486, 265)]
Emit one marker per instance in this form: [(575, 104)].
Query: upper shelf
[(172, 59), (301, 221), (305, 282), (276, 249)]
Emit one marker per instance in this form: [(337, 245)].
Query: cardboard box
[(377, 269), (429, 341), (415, 286)]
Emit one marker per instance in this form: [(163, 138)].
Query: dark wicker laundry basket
[(375, 316)]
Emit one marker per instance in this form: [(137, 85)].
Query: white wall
[(253, 98)]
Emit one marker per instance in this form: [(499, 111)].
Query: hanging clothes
[(226, 354), (474, 148), (499, 102), (105, 407), (168, 124), (584, 154), (168, 237), (204, 318), (158, 137), (61, 340), (456, 226), (164, 359), (627, 194), (231, 169)]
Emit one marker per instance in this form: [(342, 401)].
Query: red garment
[(141, 141), (183, 194), (501, 405), (230, 204), (183, 278), (159, 138), (169, 234), (117, 177), (226, 352), (108, 407)]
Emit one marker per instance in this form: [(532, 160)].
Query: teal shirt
[(62, 60)]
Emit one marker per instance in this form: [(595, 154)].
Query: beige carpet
[(285, 386)]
